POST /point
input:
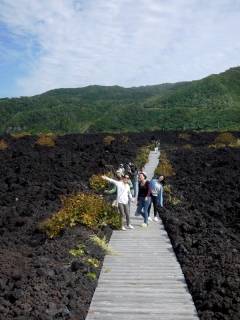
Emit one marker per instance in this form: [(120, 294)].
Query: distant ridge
[(212, 103)]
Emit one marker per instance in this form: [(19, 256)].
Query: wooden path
[(145, 281)]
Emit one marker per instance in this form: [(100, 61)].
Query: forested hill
[(212, 103)]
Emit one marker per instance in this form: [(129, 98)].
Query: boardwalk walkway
[(145, 281)]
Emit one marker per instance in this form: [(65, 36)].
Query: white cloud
[(58, 43)]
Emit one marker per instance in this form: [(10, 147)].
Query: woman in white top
[(123, 194)]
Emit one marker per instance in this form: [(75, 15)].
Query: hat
[(144, 174), (118, 171), (121, 165)]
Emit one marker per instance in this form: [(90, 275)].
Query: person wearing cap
[(143, 198), (121, 169), (123, 194), (156, 194)]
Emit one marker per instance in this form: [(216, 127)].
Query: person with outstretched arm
[(123, 194)]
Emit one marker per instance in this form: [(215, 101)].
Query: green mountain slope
[(212, 103)]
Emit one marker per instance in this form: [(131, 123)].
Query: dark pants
[(154, 201)]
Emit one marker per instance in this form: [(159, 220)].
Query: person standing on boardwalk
[(143, 199), (134, 179), (119, 176), (155, 146), (123, 193), (156, 195)]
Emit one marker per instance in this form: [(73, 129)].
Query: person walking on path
[(157, 146), (123, 193), (156, 195), (143, 199)]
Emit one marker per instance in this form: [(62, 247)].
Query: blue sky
[(49, 44)]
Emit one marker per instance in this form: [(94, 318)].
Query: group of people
[(149, 192)]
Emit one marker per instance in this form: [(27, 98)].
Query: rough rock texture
[(40, 279), (205, 227)]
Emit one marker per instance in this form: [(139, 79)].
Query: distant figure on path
[(157, 146)]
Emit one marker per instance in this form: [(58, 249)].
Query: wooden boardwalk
[(145, 280)]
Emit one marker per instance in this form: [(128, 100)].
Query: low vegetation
[(225, 139), (103, 243), (164, 167), (97, 182), (142, 157), (108, 139), (46, 140), (88, 209), (3, 145)]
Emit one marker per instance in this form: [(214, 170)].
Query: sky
[(51, 44)]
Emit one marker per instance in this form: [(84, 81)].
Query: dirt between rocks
[(40, 279)]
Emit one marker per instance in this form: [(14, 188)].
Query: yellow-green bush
[(174, 200), (97, 182), (108, 139), (3, 145), (167, 189), (125, 139), (88, 209), (225, 138), (187, 146), (142, 156), (234, 145), (185, 136), (47, 140), (151, 146), (164, 167), (20, 135)]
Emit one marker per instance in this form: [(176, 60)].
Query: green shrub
[(225, 138), (142, 156), (88, 209), (97, 182), (164, 167), (151, 146)]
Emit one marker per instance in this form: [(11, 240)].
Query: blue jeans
[(143, 204), (134, 188)]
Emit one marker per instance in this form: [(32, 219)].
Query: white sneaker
[(149, 219), (123, 229), (130, 226), (155, 219)]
